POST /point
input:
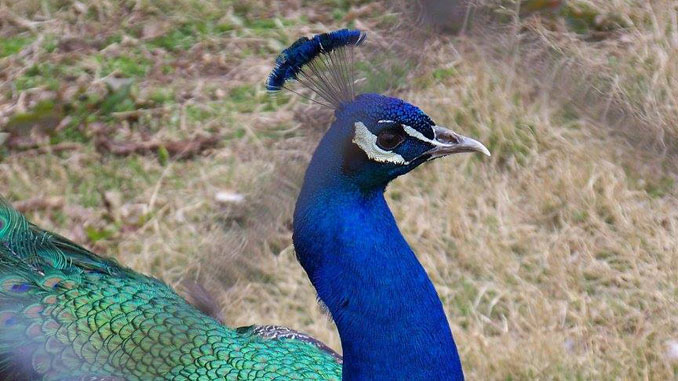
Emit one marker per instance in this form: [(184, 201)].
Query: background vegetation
[(142, 129)]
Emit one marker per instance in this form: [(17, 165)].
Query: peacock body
[(68, 314)]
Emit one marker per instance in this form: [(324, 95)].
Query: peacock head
[(387, 137), (377, 138)]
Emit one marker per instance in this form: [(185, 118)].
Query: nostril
[(454, 139), (447, 137)]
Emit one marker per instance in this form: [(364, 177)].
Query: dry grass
[(555, 259)]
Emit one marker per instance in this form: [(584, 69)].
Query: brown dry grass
[(555, 259)]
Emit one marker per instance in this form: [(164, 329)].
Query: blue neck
[(390, 319)]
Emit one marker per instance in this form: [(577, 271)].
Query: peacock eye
[(390, 138)]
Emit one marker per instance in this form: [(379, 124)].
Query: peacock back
[(68, 314)]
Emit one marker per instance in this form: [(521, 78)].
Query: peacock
[(68, 314)]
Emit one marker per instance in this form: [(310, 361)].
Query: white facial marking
[(367, 141), (418, 135)]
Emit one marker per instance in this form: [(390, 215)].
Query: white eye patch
[(367, 141), (418, 135)]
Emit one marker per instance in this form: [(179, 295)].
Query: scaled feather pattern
[(68, 314)]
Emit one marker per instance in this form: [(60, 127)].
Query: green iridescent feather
[(68, 314)]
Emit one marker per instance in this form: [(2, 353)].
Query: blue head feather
[(291, 62)]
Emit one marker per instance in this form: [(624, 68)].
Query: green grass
[(38, 75), (127, 66), (11, 46), (441, 74), (187, 34)]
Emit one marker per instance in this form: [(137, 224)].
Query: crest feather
[(323, 64)]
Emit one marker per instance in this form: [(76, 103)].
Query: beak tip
[(478, 147)]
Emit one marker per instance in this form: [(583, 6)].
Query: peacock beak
[(449, 142)]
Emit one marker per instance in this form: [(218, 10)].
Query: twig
[(176, 149), (136, 113), (37, 203), (37, 150)]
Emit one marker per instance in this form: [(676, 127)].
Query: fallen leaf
[(184, 149)]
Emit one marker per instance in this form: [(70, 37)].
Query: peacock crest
[(323, 64)]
